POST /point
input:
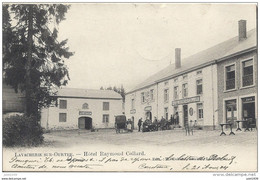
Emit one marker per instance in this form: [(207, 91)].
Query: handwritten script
[(137, 161)]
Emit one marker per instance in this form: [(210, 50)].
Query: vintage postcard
[(130, 87)]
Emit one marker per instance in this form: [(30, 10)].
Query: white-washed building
[(189, 87), (82, 109)]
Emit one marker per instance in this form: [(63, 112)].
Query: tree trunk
[(28, 91)]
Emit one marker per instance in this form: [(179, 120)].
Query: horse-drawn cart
[(121, 124)]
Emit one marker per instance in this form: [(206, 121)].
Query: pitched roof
[(88, 93), (208, 56)]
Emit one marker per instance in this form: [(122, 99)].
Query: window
[(151, 94), (199, 86), (105, 118), (166, 113), (166, 83), (62, 117), (63, 104), (230, 77), (166, 95), (185, 77), (199, 72), (176, 95), (184, 90), (85, 106), (105, 106), (142, 97), (175, 109), (247, 73), (133, 104), (176, 80), (200, 110)]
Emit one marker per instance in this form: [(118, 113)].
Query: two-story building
[(189, 87), (13, 102), (237, 79), (82, 109)]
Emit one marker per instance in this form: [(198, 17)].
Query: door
[(88, 123), (249, 112), (231, 112), (185, 114), (81, 123)]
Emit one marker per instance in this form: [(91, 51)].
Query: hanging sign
[(148, 108), (132, 111), (191, 111)]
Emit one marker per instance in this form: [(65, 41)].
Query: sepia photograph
[(130, 87)]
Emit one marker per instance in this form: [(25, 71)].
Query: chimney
[(177, 58), (241, 30)]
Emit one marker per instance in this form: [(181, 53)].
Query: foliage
[(22, 131), (33, 59), (120, 90)]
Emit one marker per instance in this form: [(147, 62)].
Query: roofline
[(196, 67), (80, 97)]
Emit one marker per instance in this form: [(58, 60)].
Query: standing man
[(171, 120), (139, 124)]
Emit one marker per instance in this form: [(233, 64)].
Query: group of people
[(174, 120)]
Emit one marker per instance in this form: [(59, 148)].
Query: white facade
[(208, 98), (90, 111)]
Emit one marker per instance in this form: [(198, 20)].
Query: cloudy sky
[(118, 44)]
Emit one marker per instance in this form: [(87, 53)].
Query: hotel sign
[(85, 113), (132, 111), (186, 100), (148, 108)]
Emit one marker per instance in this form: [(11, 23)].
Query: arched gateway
[(85, 123)]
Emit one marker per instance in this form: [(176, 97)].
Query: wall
[(50, 116), (238, 92)]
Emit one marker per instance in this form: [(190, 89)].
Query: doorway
[(85, 123), (248, 109), (185, 114), (231, 111), (148, 115)]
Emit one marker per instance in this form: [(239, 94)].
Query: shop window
[(105, 118), (63, 104), (166, 113), (185, 90), (142, 97), (230, 77), (176, 95), (200, 111), (175, 109), (85, 106), (231, 110), (151, 94), (62, 117), (105, 106), (199, 86), (166, 95), (247, 74)]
